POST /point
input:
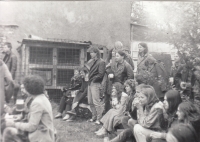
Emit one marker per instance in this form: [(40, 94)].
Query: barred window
[(46, 74), (41, 55), (64, 77), (69, 57)]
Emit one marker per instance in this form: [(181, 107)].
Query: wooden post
[(54, 70), (82, 57)]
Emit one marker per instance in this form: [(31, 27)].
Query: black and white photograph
[(100, 71)]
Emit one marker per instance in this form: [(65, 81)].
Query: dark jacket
[(156, 79), (83, 89), (122, 72), (97, 71), (11, 62), (75, 83), (141, 67)]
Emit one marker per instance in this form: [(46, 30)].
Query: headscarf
[(150, 93), (173, 99)]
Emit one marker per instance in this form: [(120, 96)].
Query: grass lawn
[(77, 131)]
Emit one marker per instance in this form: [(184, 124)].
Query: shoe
[(67, 116), (72, 118), (58, 116), (101, 133), (97, 122), (99, 130), (91, 120)]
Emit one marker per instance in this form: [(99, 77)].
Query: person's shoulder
[(124, 94), (158, 106), (13, 55), (101, 60), (39, 99), (127, 64), (128, 56)]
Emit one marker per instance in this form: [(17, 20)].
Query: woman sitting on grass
[(171, 102), (119, 102), (150, 113), (113, 117)]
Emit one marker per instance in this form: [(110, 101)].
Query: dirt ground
[(77, 131)]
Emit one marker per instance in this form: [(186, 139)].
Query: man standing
[(96, 75), (10, 59)]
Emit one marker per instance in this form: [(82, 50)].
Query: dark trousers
[(107, 103), (16, 91), (65, 104)]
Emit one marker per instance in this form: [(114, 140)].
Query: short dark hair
[(95, 50), (8, 44), (34, 84), (122, 53)]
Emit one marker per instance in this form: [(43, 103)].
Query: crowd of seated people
[(137, 108), (144, 107)]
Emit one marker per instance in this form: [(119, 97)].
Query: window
[(41, 55), (46, 74), (64, 77), (69, 57)]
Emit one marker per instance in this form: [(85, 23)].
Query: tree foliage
[(177, 22)]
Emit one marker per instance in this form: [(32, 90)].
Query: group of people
[(139, 107), (147, 107)]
